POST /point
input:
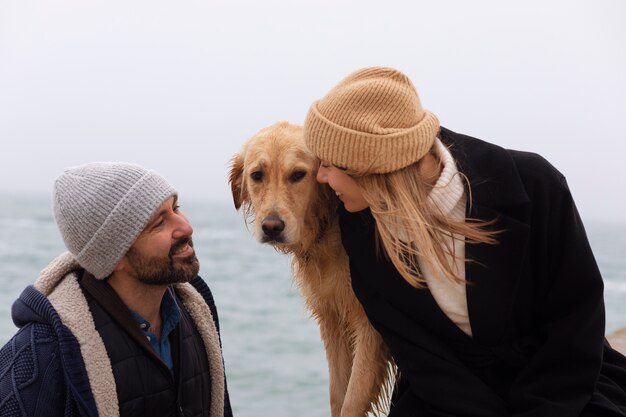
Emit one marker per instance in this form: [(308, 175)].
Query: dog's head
[(273, 179)]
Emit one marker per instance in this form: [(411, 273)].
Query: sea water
[(275, 362)]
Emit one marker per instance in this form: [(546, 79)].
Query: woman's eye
[(297, 176), (257, 176)]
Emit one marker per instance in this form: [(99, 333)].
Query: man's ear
[(237, 183), (122, 265)]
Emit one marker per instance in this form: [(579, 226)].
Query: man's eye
[(176, 208), (257, 176), (158, 224)]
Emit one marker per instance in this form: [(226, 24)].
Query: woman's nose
[(322, 175)]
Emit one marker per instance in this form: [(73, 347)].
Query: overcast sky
[(178, 86)]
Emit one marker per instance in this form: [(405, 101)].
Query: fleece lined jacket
[(57, 364)]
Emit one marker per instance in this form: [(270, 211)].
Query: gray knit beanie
[(102, 207)]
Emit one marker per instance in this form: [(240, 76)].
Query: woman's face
[(344, 186)]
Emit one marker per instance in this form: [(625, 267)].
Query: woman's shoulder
[(486, 159), (542, 181), (534, 166)]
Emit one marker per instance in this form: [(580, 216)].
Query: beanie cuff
[(368, 153), (123, 225)]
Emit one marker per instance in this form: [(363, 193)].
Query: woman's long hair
[(411, 227)]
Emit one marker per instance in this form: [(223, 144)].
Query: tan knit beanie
[(372, 122)]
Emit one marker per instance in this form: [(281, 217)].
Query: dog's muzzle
[(272, 227)]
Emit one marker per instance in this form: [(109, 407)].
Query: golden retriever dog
[(273, 179)]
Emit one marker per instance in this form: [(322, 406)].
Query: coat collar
[(496, 192), (492, 173)]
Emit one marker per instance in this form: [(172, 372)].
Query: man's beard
[(157, 270)]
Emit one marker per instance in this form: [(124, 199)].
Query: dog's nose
[(272, 226)]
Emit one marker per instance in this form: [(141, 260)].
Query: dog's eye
[(297, 176), (257, 175)]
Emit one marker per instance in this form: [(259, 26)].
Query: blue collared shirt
[(170, 317)]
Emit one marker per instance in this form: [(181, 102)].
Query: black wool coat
[(535, 303)]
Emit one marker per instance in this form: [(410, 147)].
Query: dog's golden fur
[(273, 178)]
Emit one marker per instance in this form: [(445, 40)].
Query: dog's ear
[(237, 186), (325, 207)]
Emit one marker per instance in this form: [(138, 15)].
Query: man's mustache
[(179, 244)]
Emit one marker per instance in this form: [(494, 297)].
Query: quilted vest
[(145, 385)]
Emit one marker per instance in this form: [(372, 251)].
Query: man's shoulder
[(41, 330), (205, 292), (31, 372), (34, 343), (202, 287), (32, 334)]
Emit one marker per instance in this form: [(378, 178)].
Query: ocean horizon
[(274, 358)]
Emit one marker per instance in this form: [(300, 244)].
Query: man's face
[(163, 253)]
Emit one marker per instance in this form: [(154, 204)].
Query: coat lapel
[(492, 272)]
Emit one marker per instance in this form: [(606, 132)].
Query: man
[(122, 324)]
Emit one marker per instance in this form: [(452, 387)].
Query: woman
[(469, 259)]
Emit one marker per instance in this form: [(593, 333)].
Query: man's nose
[(183, 227)]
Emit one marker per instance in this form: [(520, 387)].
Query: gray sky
[(178, 86)]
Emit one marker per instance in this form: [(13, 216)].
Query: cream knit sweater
[(448, 195)]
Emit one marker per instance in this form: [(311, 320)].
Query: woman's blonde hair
[(412, 228)]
